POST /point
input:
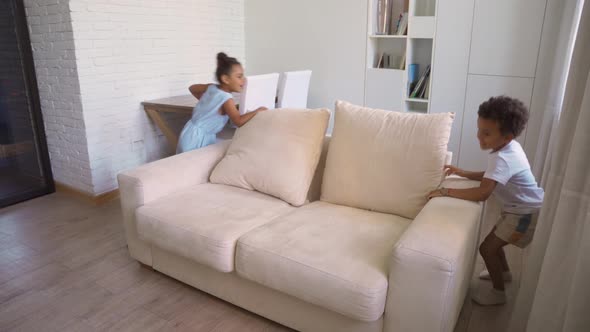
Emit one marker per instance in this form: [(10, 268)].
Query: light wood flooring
[(64, 266)]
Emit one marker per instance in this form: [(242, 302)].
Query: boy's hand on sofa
[(450, 170)]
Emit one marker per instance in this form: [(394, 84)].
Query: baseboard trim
[(96, 200)]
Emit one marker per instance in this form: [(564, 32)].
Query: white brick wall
[(52, 41), (126, 51)]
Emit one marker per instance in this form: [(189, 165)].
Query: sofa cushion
[(203, 223), (329, 255), (275, 153), (385, 161)]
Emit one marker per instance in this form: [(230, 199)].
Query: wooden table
[(179, 105)]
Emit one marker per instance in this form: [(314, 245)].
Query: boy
[(509, 177)]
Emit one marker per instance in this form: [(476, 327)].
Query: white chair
[(259, 91), (293, 89)]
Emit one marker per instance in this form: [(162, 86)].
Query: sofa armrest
[(431, 266), (151, 181), (168, 175)]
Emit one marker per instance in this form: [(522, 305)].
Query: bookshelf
[(391, 54)]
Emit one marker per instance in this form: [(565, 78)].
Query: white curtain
[(555, 288)]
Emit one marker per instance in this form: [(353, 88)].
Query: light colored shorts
[(516, 229)]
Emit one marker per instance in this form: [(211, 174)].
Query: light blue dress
[(205, 122)]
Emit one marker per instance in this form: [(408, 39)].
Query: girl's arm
[(197, 90), (229, 108), (482, 193)]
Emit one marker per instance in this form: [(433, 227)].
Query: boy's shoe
[(485, 275), (488, 296)]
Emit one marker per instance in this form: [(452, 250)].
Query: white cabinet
[(484, 48), (479, 89), (506, 37), (421, 27), (384, 89), (454, 20)]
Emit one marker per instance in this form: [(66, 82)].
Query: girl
[(215, 106)]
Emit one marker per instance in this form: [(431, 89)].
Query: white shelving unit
[(388, 88)]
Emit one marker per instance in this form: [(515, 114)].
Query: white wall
[(97, 60), (479, 89), (476, 41), (503, 58), (484, 48), (121, 53), (52, 41), (454, 23), (328, 37)]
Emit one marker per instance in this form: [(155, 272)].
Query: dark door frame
[(26, 53)]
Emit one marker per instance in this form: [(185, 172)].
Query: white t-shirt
[(516, 186)]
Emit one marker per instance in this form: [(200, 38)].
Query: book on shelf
[(421, 93), (402, 64), (420, 86), (402, 24), (426, 90), (385, 60), (380, 61), (416, 91), (394, 29), (397, 9)]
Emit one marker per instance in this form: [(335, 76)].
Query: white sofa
[(312, 268)]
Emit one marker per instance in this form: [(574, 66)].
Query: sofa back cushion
[(385, 161), (276, 153)]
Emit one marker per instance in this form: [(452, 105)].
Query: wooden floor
[(64, 266)]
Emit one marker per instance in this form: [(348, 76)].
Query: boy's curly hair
[(510, 114)]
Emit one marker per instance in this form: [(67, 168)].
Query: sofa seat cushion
[(203, 223), (329, 255)]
